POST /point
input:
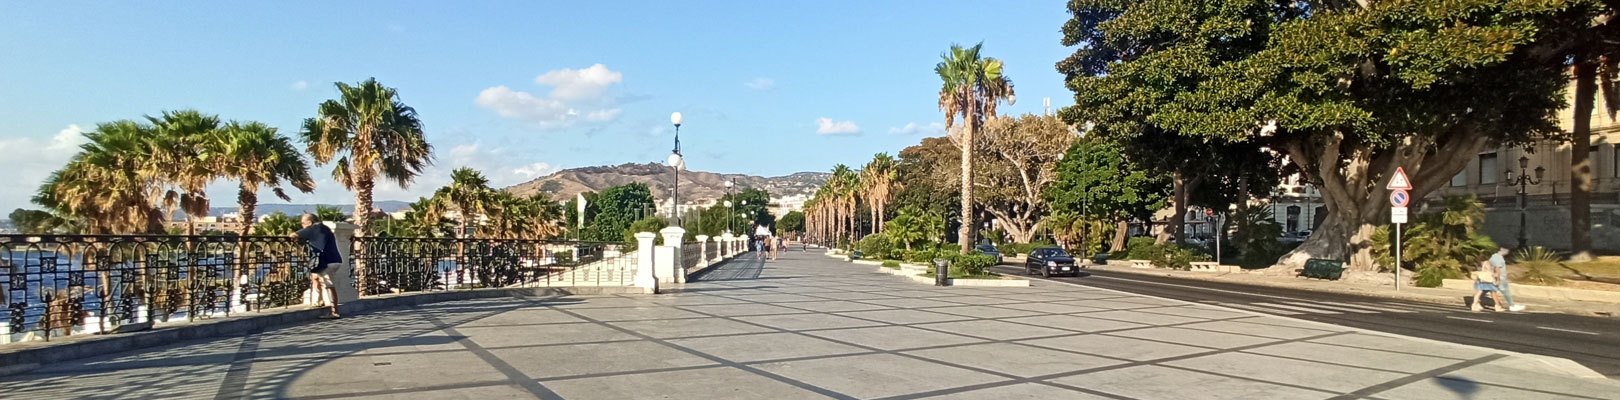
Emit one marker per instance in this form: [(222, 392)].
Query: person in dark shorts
[(320, 279)]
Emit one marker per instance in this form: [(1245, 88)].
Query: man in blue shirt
[(321, 239), (1499, 262)]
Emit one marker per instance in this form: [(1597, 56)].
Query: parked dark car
[(1050, 261), (989, 251)]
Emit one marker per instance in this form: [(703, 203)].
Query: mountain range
[(694, 185)]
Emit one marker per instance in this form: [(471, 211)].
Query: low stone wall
[(1543, 292), (20, 357)]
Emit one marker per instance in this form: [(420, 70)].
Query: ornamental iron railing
[(691, 255), (60, 285), (399, 265)]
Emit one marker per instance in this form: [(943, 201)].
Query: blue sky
[(520, 89)]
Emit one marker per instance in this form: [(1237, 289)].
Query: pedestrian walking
[(321, 239), (1485, 281), (1499, 263)]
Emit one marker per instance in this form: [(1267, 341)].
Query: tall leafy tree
[(1349, 91), (1096, 182), (1016, 160), (252, 154), (793, 221), (179, 153), (112, 184), (618, 207), (973, 85), (469, 195), (1594, 55), (370, 134)]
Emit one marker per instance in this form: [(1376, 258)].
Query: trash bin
[(942, 272)]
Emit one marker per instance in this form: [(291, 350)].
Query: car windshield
[(987, 248), (1054, 253)]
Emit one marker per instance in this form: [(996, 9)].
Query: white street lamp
[(676, 163)]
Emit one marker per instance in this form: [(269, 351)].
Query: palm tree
[(878, 177), (179, 161), (972, 87), (843, 187), (254, 155), (469, 193), (370, 134), (107, 184)]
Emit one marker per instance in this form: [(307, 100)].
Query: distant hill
[(295, 209), (695, 185)]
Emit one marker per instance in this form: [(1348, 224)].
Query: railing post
[(725, 246), (645, 278), (719, 252), (703, 250), (342, 280)]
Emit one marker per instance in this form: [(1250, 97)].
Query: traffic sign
[(1399, 181), (1399, 198), (1397, 215)]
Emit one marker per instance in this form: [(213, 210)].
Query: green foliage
[(276, 224), (40, 222), (793, 221), (891, 264), (1095, 180), (914, 225), (649, 224), (565, 257), (330, 214), (919, 256), (1440, 245), (1135, 249), (1536, 263), (617, 208), (1170, 255), (1255, 237), (875, 246), (971, 264)]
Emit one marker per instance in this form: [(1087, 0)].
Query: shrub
[(1432, 273), (1536, 263), (891, 264), (1010, 249), (1172, 256), (920, 256), (563, 257), (874, 246), (1136, 248), (971, 264)]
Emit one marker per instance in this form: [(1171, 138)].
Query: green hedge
[(875, 247), (891, 264)]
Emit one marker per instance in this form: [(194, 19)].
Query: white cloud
[(761, 84), (300, 85), (575, 84), (536, 170), (576, 95), (29, 161), (827, 126), (932, 129)]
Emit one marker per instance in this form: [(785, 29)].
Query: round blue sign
[(1399, 198)]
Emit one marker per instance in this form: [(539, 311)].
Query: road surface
[(1591, 341)]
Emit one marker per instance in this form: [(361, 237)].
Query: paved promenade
[(811, 327)]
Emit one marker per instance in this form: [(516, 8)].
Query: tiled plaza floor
[(808, 326)]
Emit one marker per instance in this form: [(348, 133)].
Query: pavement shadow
[(1464, 388)]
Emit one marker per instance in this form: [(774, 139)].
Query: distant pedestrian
[(1485, 281), (1499, 262), (320, 279)]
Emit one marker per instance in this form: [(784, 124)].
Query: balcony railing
[(59, 285)]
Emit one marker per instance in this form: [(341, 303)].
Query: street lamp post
[(676, 162), (1523, 181), (729, 219)]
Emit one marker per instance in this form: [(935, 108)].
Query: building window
[(1461, 179), (1487, 169), (1293, 218)]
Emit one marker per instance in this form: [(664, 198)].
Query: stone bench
[(1322, 269)]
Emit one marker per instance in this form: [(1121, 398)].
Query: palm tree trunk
[(964, 235), (247, 201), (362, 209), (1580, 160)]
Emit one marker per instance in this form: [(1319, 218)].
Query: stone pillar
[(670, 271), (644, 262), (725, 246), (703, 250), (342, 278)]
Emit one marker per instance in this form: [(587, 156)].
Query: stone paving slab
[(808, 326)]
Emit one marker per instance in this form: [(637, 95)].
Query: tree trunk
[(1352, 177), (1121, 233), (964, 235), (1178, 219), (362, 208), (1580, 161), (249, 203)]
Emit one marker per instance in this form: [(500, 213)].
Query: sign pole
[(1398, 199)]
